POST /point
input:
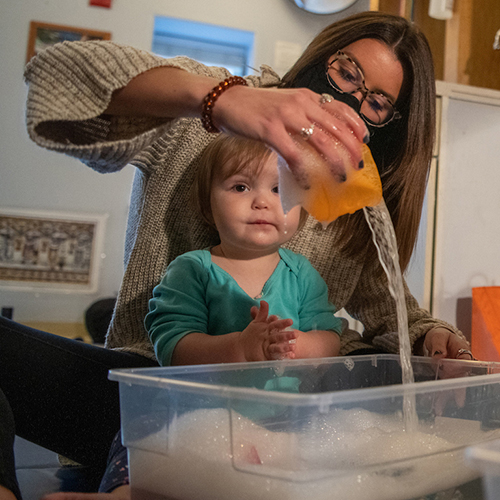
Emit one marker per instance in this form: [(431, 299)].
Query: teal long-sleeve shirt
[(196, 295)]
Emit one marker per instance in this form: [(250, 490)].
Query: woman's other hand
[(442, 343)]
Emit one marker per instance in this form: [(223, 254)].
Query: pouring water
[(384, 237), (328, 198)]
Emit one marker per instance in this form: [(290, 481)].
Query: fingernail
[(366, 138), (361, 164)]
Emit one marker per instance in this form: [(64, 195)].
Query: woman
[(109, 105)]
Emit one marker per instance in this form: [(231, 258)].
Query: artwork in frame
[(50, 250), (43, 35)]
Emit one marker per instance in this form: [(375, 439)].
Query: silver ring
[(325, 98), (307, 132), (465, 351)]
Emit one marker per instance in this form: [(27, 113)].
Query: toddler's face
[(247, 210)]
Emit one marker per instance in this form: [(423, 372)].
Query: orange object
[(485, 332), (329, 196)]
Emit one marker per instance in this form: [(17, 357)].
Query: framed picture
[(50, 250), (42, 35)]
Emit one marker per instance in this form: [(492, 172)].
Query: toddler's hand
[(282, 343), (256, 339)]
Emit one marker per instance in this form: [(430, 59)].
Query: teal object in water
[(283, 384)]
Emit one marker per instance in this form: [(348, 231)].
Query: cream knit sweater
[(70, 85)]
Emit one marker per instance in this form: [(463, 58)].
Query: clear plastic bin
[(485, 457), (336, 428)]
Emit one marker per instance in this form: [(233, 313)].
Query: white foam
[(347, 454)]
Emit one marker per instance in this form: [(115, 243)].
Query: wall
[(35, 179), (467, 206)]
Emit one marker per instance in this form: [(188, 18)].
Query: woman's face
[(381, 69)]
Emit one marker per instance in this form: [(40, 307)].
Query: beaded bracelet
[(212, 96)]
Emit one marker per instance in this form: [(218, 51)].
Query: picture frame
[(43, 35), (50, 251)]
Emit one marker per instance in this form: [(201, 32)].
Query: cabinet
[(469, 55), (462, 47)]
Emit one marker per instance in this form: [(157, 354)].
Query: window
[(207, 43)]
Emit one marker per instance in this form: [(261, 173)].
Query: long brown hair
[(405, 170)]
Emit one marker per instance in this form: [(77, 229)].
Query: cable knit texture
[(70, 86)]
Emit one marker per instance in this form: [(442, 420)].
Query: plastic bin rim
[(139, 376)]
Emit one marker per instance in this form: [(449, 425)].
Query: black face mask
[(384, 141)]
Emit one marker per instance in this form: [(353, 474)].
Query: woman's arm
[(267, 114), (70, 86), (167, 92), (77, 82)]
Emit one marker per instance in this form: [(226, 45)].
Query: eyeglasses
[(344, 76)]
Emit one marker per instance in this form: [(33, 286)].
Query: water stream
[(384, 237)]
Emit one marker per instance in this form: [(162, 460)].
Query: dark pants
[(60, 394), (7, 468)]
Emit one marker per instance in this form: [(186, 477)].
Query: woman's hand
[(271, 115), (274, 116), (442, 343)]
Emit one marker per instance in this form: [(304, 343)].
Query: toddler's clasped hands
[(267, 337)]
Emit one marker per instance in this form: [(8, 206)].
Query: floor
[(39, 472), (36, 470)]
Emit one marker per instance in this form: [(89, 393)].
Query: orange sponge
[(329, 196)]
